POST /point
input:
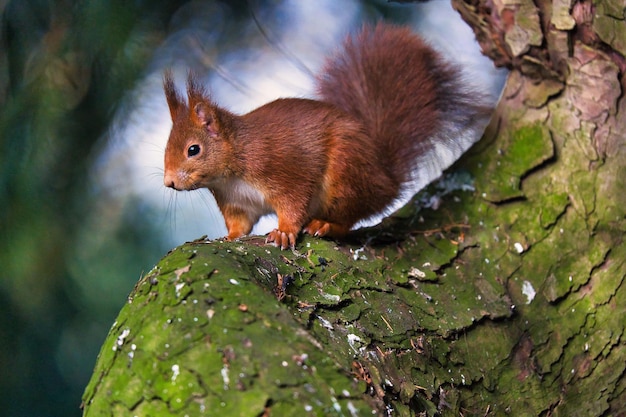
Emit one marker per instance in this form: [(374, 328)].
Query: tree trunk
[(507, 295)]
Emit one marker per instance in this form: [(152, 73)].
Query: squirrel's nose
[(168, 180)]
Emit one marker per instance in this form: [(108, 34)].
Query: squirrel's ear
[(174, 100), (202, 113), (205, 116)]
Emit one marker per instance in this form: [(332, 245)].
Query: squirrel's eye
[(193, 150)]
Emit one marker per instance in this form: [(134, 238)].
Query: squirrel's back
[(412, 102)]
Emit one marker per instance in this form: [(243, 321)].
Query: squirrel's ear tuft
[(195, 91), (174, 100)]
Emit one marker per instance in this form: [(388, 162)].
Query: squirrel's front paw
[(281, 239)]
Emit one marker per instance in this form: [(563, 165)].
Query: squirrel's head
[(199, 147)]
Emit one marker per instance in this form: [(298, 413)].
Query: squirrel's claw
[(321, 228), (281, 239), (317, 228)]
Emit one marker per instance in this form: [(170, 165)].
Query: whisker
[(211, 205), (170, 210)]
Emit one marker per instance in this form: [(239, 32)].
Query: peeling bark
[(508, 297)]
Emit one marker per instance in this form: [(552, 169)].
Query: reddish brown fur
[(320, 165)]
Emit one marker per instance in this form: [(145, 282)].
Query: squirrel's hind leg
[(322, 228)]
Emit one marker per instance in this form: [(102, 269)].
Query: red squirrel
[(387, 100)]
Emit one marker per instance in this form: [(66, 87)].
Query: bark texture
[(500, 289)]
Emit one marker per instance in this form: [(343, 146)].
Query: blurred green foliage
[(65, 66)]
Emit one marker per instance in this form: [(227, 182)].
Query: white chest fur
[(241, 194)]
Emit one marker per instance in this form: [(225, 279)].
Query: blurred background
[(83, 126)]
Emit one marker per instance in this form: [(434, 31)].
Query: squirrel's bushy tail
[(411, 101)]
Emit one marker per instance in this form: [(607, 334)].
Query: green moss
[(500, 169), (201, 339)]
